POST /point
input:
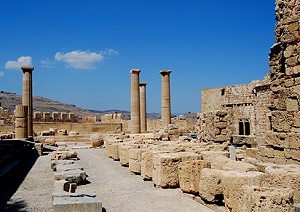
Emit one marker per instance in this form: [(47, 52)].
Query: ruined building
[(263, 115)]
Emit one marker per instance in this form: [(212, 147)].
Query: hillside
[(10, 100)]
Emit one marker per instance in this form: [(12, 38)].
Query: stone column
[(135, 122), (21, 127), (143, 107), (165, 97), (27, 95)]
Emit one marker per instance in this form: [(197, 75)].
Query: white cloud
[(22, 61), (47, 64), (79, 59), (1, 73), (110, 52)]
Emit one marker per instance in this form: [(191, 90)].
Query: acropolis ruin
[(241, 152)]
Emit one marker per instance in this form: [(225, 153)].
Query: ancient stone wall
[(283, 138)]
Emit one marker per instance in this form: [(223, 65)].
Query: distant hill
[(10, 100)]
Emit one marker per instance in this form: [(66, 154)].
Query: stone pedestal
[(135, 102), (27, 95), (21, 125), (143, 110), (165, 97)]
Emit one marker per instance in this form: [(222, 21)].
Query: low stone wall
[(82, 128)]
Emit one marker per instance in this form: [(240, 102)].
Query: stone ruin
[(243, 151)]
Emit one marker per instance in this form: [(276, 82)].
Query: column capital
[(27, 68), (135, 71), (165, 72), (143, 83)]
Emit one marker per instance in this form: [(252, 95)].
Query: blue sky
[(83, 50)]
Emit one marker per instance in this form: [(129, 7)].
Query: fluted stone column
[(165, 97), (27, 95), (135, 122), (21, 127), (143, 107)]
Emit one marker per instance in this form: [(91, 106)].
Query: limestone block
[(72, 176), (294, 141), (124, 154), (70, 204), (281, 121), (292, 105), (135, 160), (54, 163), (64, 155), (147, 163), (68, 167), (261, 167), (97, 140), (216, 160), (239, 166), (115, 151), (210, 187), (284, 176), (280, 140), (50, 141), (266, 199), (189, 175), (109, 147), (165, 168), (232, 182)]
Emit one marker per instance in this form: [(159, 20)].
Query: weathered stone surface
[(189, 175), (50, 141), (115, 151), (68, 167), (54, 163), (109, 148), (284, 176), (73, 176), (216, 160), (165, 168), (97, 140), (70, 204), (266, 199), (232, 182), (210, 187), (64, 155), (147, 163), (239, 166)]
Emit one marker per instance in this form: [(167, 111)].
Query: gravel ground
[(29, 186)]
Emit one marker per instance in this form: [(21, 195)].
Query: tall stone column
[(27, 95), (143, 107), (21, 127), (165, 97), (135, 101)]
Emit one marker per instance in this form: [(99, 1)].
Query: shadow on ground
[(11, 181)]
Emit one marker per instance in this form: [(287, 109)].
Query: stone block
[(165, 168), (189, 175), (54, 163), (64, 155), (97, 140), (135, 160), (284, 176), (210, 187), (70, 204), (232, 182), (239, 166), (109, 144), (68, 167), (147, 163), (73, 176), (216, 160), (266, 199), (281, 121), (115, 151), (124, 154)]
